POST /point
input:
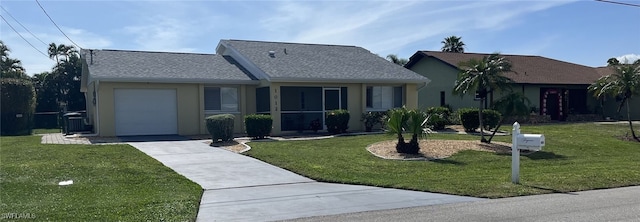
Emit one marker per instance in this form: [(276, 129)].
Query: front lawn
[(576, 157), (110, 183)]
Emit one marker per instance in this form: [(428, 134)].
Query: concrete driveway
[(240, 188)]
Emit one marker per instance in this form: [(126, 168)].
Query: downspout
[(96, 97)]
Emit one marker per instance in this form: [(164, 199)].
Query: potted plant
[(370, 119)]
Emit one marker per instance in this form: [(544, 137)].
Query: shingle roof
[(315, 62), (605, 70), (529, 69), (120, 65)]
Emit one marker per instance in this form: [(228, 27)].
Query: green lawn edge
[(577, 157), (111, 183)]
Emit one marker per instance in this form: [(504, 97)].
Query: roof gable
[(281, 61), (142, 66), (527, 69)]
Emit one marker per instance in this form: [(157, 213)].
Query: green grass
[(576, 157), (45, 131), (111, 183)]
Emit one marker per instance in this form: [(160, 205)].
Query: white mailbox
[(533, 142), (519, 142)]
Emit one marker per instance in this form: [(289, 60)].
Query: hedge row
[(18, 105)]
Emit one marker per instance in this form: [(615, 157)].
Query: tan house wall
[(246, 105), (188, 103), (191, 113)]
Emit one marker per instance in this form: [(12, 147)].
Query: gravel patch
[(233, 146), (435, 149)]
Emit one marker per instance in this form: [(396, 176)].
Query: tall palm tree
[(57, 51), (625, 82), (453, 44), (397, 60), (483, 76)]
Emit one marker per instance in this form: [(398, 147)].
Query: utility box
[(533, 142), (73, 122)]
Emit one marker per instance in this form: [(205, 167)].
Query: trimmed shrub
[(337, 121), (220, 127), (469, 118), (258, 125), (439, 117), (490, 118), (18, 105)]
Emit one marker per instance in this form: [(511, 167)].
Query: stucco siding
[(611, 108), (187, 101), (244, 103), (443, 78)]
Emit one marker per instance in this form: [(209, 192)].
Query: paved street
[(620, 204)]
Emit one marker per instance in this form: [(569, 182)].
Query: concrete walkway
[(240, 188)]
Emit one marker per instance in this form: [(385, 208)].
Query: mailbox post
[(519, 142)]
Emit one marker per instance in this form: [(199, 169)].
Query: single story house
[(555, 88), (159, 93)]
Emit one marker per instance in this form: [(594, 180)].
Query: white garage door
[(146, 112)]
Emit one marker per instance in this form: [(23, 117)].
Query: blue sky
[(582, 32)]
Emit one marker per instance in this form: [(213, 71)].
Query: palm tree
[(416, 121), (625, 82), (483, 76), (57, 51), (395, 125), (453, 44), (512, 105), (402, 120), (10, 68), (395, 59)]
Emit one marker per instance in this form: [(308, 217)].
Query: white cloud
[(387, 27), (628, 58), (161, 34), (171, 26)]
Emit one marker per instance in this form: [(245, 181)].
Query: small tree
[(402, 120), (625, 82), (511, 105), (395, 125), (482, 77)]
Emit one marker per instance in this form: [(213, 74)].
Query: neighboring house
[(155, 93), (555, 88), (610, 104)]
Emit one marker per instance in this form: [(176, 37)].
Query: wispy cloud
[(388, 27)]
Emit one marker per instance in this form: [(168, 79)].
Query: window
[(382, 98), (442, 99), (220, 99)]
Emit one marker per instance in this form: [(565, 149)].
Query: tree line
[(56, 90)]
